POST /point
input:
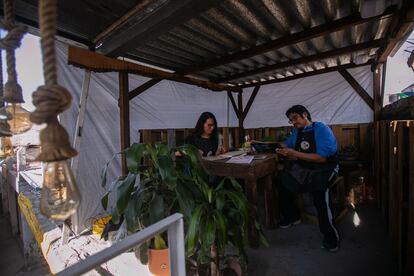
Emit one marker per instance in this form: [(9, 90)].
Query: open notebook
[(226, 155)]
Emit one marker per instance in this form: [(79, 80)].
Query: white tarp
[(328, 97), (174, 105)]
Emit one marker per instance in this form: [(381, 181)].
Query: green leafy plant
[(215, 215), (141, 203), (217, 218)]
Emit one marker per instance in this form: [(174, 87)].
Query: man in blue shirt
[(311, 149)]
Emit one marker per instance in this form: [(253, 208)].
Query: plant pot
[(159, 262)]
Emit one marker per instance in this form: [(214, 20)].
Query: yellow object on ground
[(99, 225), (27, 210)]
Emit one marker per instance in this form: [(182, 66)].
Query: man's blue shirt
[(324, 139)]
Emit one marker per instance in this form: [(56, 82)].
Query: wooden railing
[(358, 135)]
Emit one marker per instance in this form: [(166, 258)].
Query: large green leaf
[(220, 200), (156, 209), (104, 201), (131, 213), (159, 242), (134, 155), (105, 170), (209, 233), (162, 149), (221, 229), (167, 169), (124, 191), (143, 252), (192, 233)]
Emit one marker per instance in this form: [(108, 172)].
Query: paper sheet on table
[(241, 159)]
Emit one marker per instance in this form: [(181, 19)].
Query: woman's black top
[(207, 145)]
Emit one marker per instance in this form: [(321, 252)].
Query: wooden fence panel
[(409, 269)]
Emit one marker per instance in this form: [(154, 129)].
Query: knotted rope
[(12, 90), (51, 99), (4, 116)]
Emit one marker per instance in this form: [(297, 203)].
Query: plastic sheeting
[(328, 97), (174, 105)]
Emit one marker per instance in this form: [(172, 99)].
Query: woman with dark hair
[(205, 135)]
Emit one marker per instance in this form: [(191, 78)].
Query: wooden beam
[(136, 11), (250, 102), (401, 26), (357, 87), (305, 35), (377, 93), (99, 63), (308, 74), (163, 18), (233, 103), (384, 74), (306, 59), (142, 88), (124, 117)]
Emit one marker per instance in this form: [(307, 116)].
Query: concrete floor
[(11, 255), (365, 249)]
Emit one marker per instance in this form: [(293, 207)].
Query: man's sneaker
[(330, 244), (285, 223)]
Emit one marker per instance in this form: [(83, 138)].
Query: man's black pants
[(288, 190)]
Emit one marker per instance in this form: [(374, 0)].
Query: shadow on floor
[(11, 255), (365, 249)]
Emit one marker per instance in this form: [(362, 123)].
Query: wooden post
[(226, 138), (124, 117), (384, 169), (377, 93), (377, 110), (240, 116), (409, 269), (392, 191), (399, 193)]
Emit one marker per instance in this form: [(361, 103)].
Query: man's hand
[(286, 152)]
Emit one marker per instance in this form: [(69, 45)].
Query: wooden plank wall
[(359, 135), (396, 182)]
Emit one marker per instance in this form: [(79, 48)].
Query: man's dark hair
[(199, 128), (299, 109)]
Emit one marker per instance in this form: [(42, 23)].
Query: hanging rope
[(4, 126), (12, 90), (51, 99)]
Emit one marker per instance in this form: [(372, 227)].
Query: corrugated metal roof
[(225, 28), (236, 25)]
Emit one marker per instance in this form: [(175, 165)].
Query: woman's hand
[(221, 150)]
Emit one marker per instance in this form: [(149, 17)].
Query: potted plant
[(139, 204), (217, 220), (215, 216)]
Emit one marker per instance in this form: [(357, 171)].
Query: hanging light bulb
[(6, 147), (59, 196), (17, 117)]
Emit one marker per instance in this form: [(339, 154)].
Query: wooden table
[(251, 173)]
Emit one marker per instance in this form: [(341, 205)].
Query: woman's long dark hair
[(199, 128)]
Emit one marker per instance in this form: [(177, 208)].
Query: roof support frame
[(305, 35), (99, 63), (357, 87), (336, 52), (308, 74), (250, 101), (142, 88), (163, 19)]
